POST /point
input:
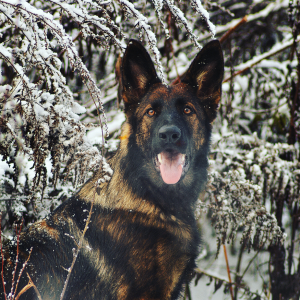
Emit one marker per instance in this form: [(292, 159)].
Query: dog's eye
[(151, 112), (187, 110)]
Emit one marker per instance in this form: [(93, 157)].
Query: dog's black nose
[(169, 134)]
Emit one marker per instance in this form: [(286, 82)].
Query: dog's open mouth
[(172, 165)]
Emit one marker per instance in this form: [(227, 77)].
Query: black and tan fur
[(142, 240)]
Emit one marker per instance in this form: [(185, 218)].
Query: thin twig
[(99, 109), (237, 271), (29, 285), (225, 36), (200, 271), (250, 262), (228, 272), (259, 111), (227, 265), (22, 270), (187, 293), (17, 260), (2, 257), (79, 246), (35, 288), (262, 57), (23, 290), (292, 137)]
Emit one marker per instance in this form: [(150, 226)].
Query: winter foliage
[(60, 118)]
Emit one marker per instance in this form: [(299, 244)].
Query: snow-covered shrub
[(248, 178), (41, 130), (55, 56)]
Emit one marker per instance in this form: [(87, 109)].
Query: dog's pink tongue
[(170, 167)]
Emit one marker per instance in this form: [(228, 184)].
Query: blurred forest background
[(60, 117)]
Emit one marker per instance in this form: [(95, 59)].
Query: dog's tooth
[(159, 158)]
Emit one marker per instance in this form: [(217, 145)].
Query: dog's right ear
[(137, 71)]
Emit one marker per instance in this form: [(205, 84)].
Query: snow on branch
[(158, 5), (238, 193), (197, 5), (180, 18), (142, 23), (40, 117), (271, 7), (82, 17), (277, 48)]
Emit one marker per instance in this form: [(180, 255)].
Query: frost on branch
[(180, 18), (197, 5), (142, 23), (255, 176), (235, 204), (40, 120)]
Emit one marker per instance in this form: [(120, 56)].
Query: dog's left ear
[(205, 75), (138, 73)]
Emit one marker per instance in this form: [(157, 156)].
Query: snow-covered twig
[(279, 47), (142, 23), (180, 18), (197, 5)]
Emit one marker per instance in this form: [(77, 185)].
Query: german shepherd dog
[(142, 239)]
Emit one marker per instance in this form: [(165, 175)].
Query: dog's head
[(169, 126)]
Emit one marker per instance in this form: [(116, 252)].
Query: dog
[(142, 239)]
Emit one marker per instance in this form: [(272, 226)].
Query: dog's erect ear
[(138, 72), (205, 75)]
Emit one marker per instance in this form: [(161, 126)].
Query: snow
[(278, 47), (273, 6), (40, 112), (5, 51), (78, 109), (95, 135), (4, 167), (4, 88), (204, 13), (25, 165)]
